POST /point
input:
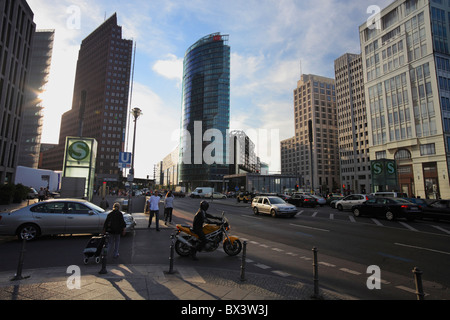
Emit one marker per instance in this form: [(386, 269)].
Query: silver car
[(351, 200), (274, 206), (59, 216)]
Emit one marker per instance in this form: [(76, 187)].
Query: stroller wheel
[(98, 259), (86, 260)]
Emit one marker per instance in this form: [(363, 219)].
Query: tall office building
[(16, 39), (352, 123), (32, 113), (316, 163), (406, 61), (100, 100), (205, 113)]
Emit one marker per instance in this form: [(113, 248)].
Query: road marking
[(314, 214), (332, 216), (278, 250), (306, 258), (281, 273), (407, 226), (264, 245), (350, 271), (415, 247), (291, 254), (262, 266), (301, 212), (254, 242), (307, 227), (326, 264), (352, 219), (408, 289), (441, 229), (377, 222)]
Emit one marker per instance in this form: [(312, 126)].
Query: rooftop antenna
[(301, 70), (105, 16)]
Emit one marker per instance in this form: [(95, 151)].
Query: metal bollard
[(418, 280), (315, 274), (104, 256), (243, 262), (18, 275), (172, 249)]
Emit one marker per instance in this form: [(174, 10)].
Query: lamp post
[(136, 112)]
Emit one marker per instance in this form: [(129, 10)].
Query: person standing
[(115, 226), (168, 207), (154, 209)]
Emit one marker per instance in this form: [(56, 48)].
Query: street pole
[(136, 112)]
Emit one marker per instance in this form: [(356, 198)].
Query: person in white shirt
[(168, 207), (153, 204)]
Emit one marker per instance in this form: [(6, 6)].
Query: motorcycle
[(187, 239)]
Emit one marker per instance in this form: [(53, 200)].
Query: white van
[(390, 194), (201, 192)]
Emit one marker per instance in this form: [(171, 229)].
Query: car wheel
[(28, 231), (356, 212), (273, 213), (255, 211), (339, 207), (389, 216)]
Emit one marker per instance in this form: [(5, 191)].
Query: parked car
[(437, 210), (421, 202), (349, 201), (32, 193), (389, 208), (303, 200), (390, 194), (216, 195), (274, 206), (62, 216), (320, 200)]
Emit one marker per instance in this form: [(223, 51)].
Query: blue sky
[(269, 40)]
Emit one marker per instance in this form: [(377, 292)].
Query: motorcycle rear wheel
[(232, 249), (182, 249)]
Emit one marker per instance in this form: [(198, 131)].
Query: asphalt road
[(346, 246)]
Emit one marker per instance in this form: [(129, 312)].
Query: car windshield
[(275, 200), (95, 207)]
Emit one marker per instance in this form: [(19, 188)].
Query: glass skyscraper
[(205, 113)]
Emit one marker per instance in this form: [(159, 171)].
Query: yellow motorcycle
[(187, 239)]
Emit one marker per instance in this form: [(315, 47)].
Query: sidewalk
[(152, 282)]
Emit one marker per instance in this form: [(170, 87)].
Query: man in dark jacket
[(199, 219), (115, 226)]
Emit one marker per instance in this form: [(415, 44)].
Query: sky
[(272, 43)]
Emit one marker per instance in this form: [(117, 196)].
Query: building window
[(402, 154), (427, 149)]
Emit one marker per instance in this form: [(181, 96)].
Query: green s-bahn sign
[(384, 175)]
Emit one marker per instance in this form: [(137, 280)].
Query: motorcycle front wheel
[(232, 249), (182, 249)]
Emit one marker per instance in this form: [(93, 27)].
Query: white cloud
[(170, 68)]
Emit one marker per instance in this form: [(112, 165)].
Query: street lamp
[(136, 112)]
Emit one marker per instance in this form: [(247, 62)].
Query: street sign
[(125, 160)]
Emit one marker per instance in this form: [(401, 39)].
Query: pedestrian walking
[(154, 209), (41, 194), (168, 207), (115, 226)]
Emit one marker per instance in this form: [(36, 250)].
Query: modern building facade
[(406, 62), (316, 163), (33, 111), (353, 134), (100, 100), (16, 40), (205, 113)]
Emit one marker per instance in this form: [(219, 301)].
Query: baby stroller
[(94, 249)]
